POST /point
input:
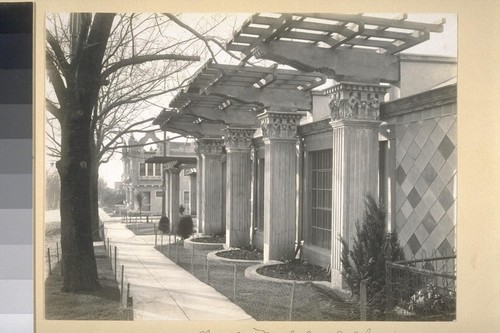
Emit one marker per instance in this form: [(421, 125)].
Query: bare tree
[(83, 53), (52, 188)]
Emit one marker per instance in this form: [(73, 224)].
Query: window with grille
[(150, 169), (321, 198), (158, 167)]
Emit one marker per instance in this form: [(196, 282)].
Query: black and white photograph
[(250, 166)]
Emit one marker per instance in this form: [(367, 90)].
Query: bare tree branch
[(54, 110), (59, 58), (205, 39), (142, 59), (55, 78)]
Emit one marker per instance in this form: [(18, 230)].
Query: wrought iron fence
[(421, 289)]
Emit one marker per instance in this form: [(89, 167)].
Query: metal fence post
[(128, 294), (388, 289), (57, 252), (234, 282), (208, 271), (192, 260), (121, 289), (156, 235), (363, 299), (177, 255), (48, 256), (130, 308), (115, 264), (292, 298), (109, 255)]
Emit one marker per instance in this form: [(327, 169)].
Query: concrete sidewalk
[(161, 289)]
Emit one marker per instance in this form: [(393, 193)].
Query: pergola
[(228, 95), (225, 104), (221, 108), (344, 47)]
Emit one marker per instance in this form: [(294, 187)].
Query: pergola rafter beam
[(227, 116), (309, 35), (378, 21), (189, 128), (341, 65), (271, 98)]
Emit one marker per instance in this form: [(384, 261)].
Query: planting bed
[(295, 270), (241, 254), (209, 239)]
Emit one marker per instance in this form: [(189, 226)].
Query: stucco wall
[(422, 73)]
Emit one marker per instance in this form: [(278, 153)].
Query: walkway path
[(161, 289)]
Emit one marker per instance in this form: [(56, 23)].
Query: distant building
[(144, 179)]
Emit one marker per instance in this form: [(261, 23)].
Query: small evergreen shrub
[(164, 224), (185, 228), (372, 246)]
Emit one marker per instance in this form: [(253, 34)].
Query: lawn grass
[(142, 229), (264, 300), (102, 304)]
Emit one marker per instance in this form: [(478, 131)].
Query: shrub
[(164, 224), (185, 228), (372, 246), (429, 301), (182, 209)]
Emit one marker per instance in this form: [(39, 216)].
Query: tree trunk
[(78, 259), (78, 100), (94, 192)]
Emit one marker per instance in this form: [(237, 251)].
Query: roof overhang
[(172, 161)]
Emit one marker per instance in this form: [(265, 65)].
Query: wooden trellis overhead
[(345, 47), (248, 88), (229, 95), (188, 125)]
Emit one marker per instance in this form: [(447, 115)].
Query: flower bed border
[(212, 256), (251, 273), (189, 244)]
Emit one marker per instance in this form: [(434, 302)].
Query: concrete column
[(211, 185), (192, 193), (355, 122), (164, 191), (199, 197), (132, 199), (279, 130), (174, 199), (238, 185), (167, 193)]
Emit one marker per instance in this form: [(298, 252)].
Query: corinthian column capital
[(279, 125), (353, 101), (238, 138), (209, 146)]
